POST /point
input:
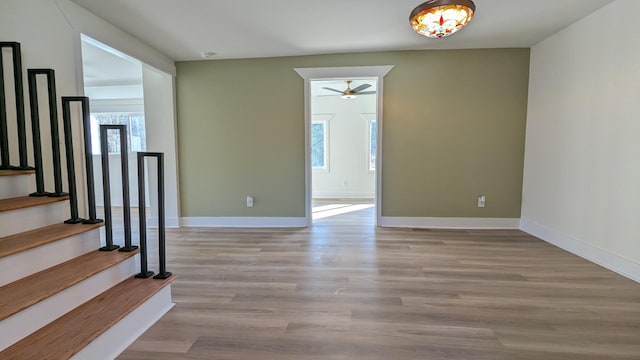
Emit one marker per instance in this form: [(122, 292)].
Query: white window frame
[(370, 118), (95, 133), (324, 120), (325, 125), (126, 106)]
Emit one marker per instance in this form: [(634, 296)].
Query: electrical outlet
[(249, 201), (482, 201)]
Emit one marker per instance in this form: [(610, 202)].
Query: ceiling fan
[(350, 93)]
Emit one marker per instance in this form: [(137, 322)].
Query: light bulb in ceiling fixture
[(348, 96)]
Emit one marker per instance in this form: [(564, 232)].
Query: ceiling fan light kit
[(440, 18)]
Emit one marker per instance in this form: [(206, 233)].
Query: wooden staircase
[(60, 297)]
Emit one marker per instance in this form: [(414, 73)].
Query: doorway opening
[(341, 73), (343, 149), (113, 82)]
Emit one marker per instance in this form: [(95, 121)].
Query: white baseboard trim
[(242, 222), (449, 222), (604, 258)]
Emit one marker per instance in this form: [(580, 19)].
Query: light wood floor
[(343, 289)]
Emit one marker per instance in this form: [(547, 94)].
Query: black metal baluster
[(162, 254), (88, 156), (104, 148), (163, 273), (4, 135), (19, 97), (35, 132), (142, 215), (55, 132), (71, 168), (126, 200)]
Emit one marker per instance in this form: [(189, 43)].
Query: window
[(135, 130), (372, 145), (319, 145)]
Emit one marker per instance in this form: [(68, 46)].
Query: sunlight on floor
[(324, 211)]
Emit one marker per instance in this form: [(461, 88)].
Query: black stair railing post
[(19, 98), (55, 132), (71, 168), (4, 135), (163, 273), (126, 202), (88, 151), (142, 217), (106, 191), (86, 127), (35, 133), (22, 131), (162, 255)]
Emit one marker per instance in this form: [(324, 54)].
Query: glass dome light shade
[(440, 18)]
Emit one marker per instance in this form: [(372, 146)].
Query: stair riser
[(14, 186), (115, 340), (31, 261), (31, 319), (21, 220)]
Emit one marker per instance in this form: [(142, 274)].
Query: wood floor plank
[(68, 334), (343, 289), (14, 244), (21, 294), (28, 201)]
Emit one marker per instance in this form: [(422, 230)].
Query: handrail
[(144, 271)]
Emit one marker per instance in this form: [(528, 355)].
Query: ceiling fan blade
[(338, 91), (366, 92), (360, 88)]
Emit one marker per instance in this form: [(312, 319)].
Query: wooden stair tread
[(67, 335), (16, 172), (21, 294), (28, 201), (14, 244)]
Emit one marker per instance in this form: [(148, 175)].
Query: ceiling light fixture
[(439, 18), (207, 55)]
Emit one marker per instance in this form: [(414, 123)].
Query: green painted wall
[(454, 129)]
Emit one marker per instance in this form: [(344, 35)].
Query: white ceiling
[(103, 68), (261, 28)]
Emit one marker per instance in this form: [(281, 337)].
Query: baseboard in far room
[(244, 222), (342, 195), (616, 263), (449, 222), (170, 222)]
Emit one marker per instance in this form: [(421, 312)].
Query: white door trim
[(329, 73)]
